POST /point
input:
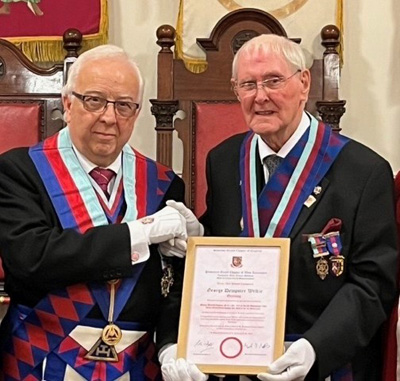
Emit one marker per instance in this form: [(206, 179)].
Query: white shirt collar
[(264, 150), (87, 165)]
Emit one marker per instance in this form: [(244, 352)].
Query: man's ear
[(305, 78), (66, 100), (233, 84)]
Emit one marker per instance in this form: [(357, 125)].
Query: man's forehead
[(262, 54), (268, 62), (118, 73), (101, 65)]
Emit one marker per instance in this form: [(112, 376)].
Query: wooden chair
[(30, 100), (211, 110)]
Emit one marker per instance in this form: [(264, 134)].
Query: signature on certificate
[(204, 346), (257, 345)]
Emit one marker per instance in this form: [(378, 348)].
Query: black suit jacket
[(340, 316), (40, 256)]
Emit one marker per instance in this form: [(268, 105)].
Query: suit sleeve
[(168, 322), (37, 253), (362, 304)]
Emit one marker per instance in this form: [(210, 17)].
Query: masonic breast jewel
[(104, 348), (324, 247), (167, 280)]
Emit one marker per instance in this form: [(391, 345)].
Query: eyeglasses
[(94, 103), (273, 83)]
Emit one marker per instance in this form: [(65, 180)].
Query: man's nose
[(262, 92), (109, 115)]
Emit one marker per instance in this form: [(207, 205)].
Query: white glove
[(161, 226), (178, 370), (292, 365), (193, 226), (173, 248), (177, 247)]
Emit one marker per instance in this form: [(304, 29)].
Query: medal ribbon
[(124, 291)]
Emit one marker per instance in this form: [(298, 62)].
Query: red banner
[(35, 26)]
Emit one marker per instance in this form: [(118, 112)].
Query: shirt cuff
[(140, 251)]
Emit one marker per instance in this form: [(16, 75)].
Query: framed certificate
[(234, 303)]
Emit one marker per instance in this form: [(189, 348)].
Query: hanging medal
[(167, 279), (334, 245), (337, 264), (318, 246), (104, 348), (322, 268)]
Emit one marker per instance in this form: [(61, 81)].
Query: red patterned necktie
[(102, 177)]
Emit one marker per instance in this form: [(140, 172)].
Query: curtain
[(300, 18)]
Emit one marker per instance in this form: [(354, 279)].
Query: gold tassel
[(192, 64), (179, 30), (340, 25), (195, 66), (50, 49)]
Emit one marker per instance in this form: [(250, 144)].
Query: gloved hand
[(173, 369), (177, 247), (193, 226), (292, 365), (173, 248), (161, 226)]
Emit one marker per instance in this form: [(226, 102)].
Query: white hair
[(272, 43), (97, 53)]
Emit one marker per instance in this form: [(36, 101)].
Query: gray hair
[(100, 52), (271, 43)]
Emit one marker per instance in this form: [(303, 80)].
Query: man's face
[(100, 136), (272, 113)]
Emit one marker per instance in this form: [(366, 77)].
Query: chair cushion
[(214, 122), (20, 125)]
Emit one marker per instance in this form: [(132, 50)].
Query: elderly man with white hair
[(292, 176)]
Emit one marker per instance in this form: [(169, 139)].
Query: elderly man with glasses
[(81, 217), (292, 176)]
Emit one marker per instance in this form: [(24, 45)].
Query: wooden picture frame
[(234, 303)]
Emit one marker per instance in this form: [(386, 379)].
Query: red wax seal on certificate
[(231, 347)]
